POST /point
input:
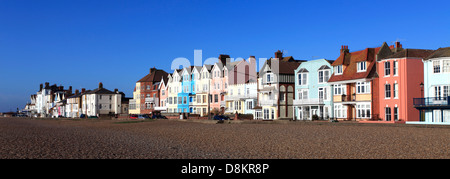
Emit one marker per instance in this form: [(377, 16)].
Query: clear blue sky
[(83, 42)]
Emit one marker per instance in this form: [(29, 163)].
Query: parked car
[(221, 117), (133, 116), (158, 116), (143, 116)]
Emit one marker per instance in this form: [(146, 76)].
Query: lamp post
[(421, 89)]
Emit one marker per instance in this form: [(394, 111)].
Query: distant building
[(101, 101), (146, 92)]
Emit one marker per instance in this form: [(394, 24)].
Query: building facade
[(313, 93), (355, 83), (400, 76), (434, 107), (146, 92), (276, 83)]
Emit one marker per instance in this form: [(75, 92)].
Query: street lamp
[(421, 89)]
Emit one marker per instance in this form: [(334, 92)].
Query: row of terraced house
[(388, 84)]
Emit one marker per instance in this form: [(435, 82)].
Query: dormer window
[(361, 67), (338, 70)]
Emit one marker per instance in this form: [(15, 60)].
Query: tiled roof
[(350, 60), (155, 76), (441, 52), (420, 53)]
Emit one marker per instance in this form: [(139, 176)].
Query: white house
[(101, 101)]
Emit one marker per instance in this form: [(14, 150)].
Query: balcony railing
[(239, 97), (315, 101), (431, 101), (268, 102)]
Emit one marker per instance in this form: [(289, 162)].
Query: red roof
[(350, 59)]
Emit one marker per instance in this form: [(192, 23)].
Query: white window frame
[(395, 89), (323, 93), (269, 78), (361, 66), (363, 87), (338, 70), (395, 66), (387, 91), (363, 110), (437, 66), (387, 68), (302, 78), (324, 78), (302, 93)]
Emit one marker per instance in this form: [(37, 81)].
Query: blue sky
[(82, 42)]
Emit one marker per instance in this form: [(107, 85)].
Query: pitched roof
[(441, 52), (419, 53), (155, 76), (350, 60), (100, 91)]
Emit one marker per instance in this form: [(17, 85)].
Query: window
[(362, 87), (185, 100), (387, 91), (363, 110), (387, 114), (387, 68), (395, 113), (269, 78), (323, 93), (340, 111), (437, 91), (446, 66), (148, 87), (302, 94), (437, 116), (361, 67), (273, 114), (395, 90), (216, 98), (340, 89), (281, 96), (302, 78), (395, 68), (338, 70), (436, 66), (180, 100), (249, 105), (266, 113), (324, 75)]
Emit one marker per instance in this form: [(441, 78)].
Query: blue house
[(313, 95), (186, 90), (434, 107)]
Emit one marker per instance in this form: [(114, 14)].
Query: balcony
[(240, 97), (432, 102), (268, 102), (151, 100), (315, 101)]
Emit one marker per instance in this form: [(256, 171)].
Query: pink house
[(227, 72), (400, 76)]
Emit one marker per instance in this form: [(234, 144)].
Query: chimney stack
[(279, 55), (41, 86), (225, 59), (76, 91), (100, 85), (83, 90), (47, 84), (116, 90), (344, 48), (152, 70)]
